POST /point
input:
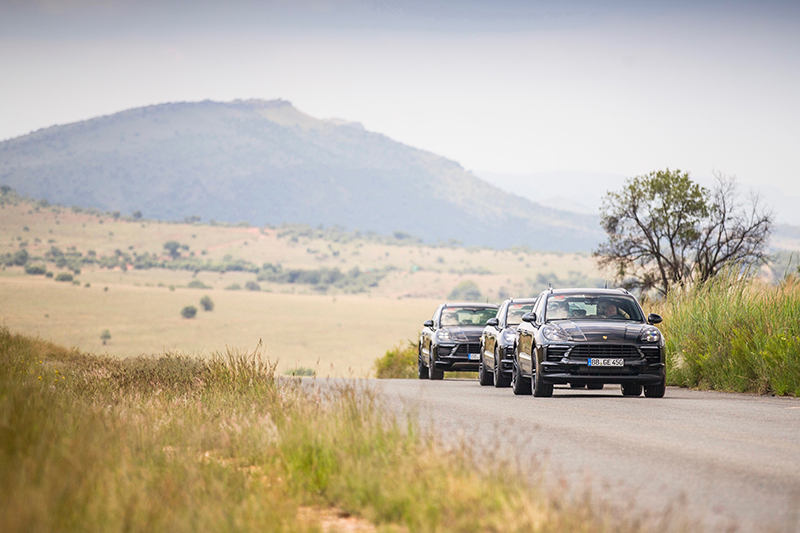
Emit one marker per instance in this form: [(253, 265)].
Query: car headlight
[(443, 335), (554, 334), (509, 337), (650, 335)]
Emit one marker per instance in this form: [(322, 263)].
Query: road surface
[(729, 461)]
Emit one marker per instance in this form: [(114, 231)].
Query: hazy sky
[(615, 87)]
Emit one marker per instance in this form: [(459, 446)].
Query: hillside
[(265, 162)]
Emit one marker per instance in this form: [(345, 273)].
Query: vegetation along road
[(724, 459)]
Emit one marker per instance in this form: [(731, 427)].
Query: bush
[(252, 286), (206, 303), (466, 291), (399, 362), (233, 287), (20, 257), (197, 284), (189, 311), (300, 371), (36, 270), (49, 275), (64, 276)]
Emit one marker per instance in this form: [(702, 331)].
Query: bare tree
[(664, 230)]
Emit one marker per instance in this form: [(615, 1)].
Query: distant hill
[(265, 162)]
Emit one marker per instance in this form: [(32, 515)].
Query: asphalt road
[(728, 461)]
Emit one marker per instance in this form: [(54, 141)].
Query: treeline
[(353, 280)]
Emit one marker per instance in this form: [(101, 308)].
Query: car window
[(467, 316), (515, 312), (592, 307)]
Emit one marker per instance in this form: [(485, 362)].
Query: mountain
[(265, 162)]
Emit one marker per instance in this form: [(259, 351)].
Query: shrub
[(49, 275), (233, 287), (300, 371), (252, 286), (189, 311), (20, 257), (64, 276), (36, 270), (466, 291), (399, 362), (197, 284), (206, 303)]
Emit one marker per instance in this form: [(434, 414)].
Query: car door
[(426, 338)]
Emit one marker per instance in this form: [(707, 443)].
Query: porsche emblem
[(605, 337)]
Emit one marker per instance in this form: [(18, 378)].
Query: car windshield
[(515, 312), (467, 316), (592, 307)]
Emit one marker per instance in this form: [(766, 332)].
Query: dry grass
[(180, 444)]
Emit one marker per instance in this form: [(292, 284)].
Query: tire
[(541, 389), (631, 389), (519, 385), (655, 391), (433, 374), (577, 385), (484, 377), (594, 386), (500, 381), (422, 370)]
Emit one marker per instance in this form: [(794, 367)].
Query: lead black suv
[(589, 337), (451, 339)]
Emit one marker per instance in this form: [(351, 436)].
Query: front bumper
[(455, 356), (646, 368)]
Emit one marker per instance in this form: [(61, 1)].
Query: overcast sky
[(616, 87)]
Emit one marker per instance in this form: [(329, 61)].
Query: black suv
[(589, 337), (499, 341), (451, 339)]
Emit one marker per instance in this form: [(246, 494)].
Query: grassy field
[(184, 444), (338, 335), (299, 324)]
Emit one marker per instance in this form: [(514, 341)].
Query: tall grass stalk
[(178, 444), (734, 333)]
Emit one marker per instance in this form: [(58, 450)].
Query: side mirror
[(428, 323), (493, 322), (529, 317), (654, 319)]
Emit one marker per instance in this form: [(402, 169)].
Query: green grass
[(735, 334), (173, 443)]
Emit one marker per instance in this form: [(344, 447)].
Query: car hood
[(600, 330), (465, 333)]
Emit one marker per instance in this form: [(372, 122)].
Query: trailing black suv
[(451, 340), (589, 337)]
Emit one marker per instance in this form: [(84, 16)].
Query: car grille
[(462, 350), (624, 351), (555, 353)]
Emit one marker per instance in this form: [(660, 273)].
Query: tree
[(189, 311), (172, 248), (665, 230), (207, 303), (105, 336)]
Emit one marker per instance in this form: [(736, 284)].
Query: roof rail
[(623, 289)]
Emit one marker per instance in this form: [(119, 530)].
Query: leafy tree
[(20, 257), (664, 230), (207, 303), (105, 336), (64, 277), (172, 248), (137, 215), (189, 311), (466, 291), (252, 286), (36, 270)]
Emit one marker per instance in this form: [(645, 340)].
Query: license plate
[(606, 362), (474, 356)]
